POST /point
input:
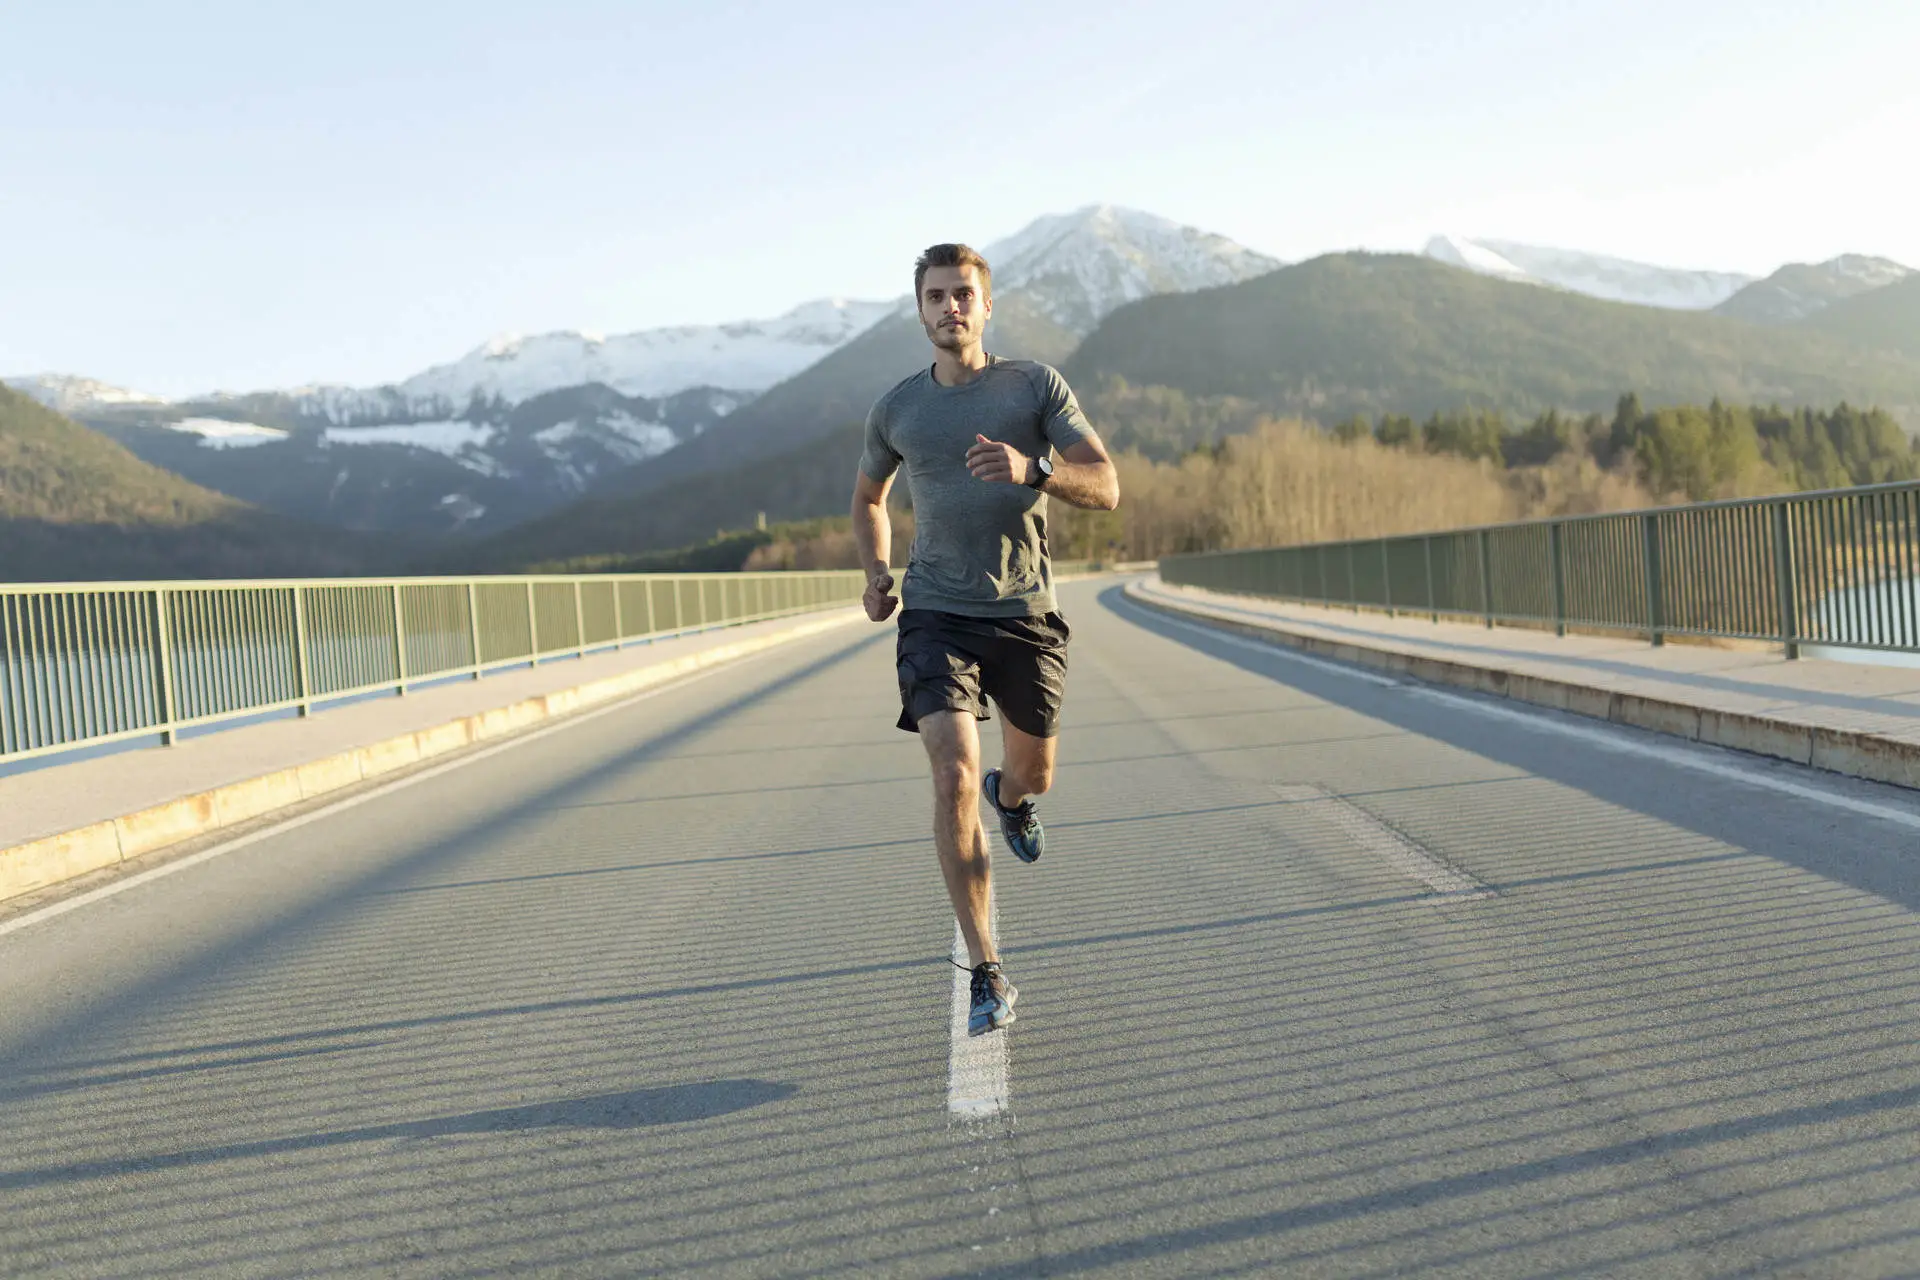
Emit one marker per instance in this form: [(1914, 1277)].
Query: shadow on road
[(630, 1109), (1862, 853)]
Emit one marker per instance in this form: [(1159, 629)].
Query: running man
[(980, 622)]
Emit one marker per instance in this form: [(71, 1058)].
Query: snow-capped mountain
[(1800, 289), (491, 465), (519, 425), (64, 393), (739, 358), (747, 356), (1077, 268), (1594, 274)]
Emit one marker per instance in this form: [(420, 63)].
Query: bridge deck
[(1323, 973)]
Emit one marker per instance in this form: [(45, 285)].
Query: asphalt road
[(1320, 976)]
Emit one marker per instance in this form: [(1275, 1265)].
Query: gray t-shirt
[(979, 546)]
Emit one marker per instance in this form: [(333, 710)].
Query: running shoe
[(1025, 836), (992, 997)]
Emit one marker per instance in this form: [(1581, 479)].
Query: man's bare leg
[(952, 741), (1026, 767)]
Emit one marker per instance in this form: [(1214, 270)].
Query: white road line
[(1695, 759), (1228, 637), (280, 828), (1619, 741), (976, 1065), (1449, 884)]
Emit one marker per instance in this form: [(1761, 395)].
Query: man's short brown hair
[(951, 255)]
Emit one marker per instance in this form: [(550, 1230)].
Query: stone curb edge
[(47, 861), (1854, 753)]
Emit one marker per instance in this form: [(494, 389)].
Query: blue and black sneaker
[(1025, 836), (992, 999)]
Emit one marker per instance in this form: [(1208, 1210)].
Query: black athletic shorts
[(951, 662)]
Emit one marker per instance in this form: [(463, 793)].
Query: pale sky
[(237, 195)]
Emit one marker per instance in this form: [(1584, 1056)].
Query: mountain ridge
[(1366, 333), (1595, 275), (1799, 290), (1062, 275), (75, 506)]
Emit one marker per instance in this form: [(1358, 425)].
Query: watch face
[(1043, 471)]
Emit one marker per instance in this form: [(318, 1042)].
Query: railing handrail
[(1540, 522), (183, 584), (1836, 568), (86, 664)]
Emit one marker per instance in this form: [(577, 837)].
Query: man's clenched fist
[(879, 598), (1001, 463)]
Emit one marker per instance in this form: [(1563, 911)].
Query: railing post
[(1386, 577), (473, 624), (579, 623), (166, 707), (300, 648), (1486, 579), (1559, 579), (1353, 587), (619, 618), (1433, 606), (1783, 581), (651, 628), (399, 642), (533, 628), (1650, 550)]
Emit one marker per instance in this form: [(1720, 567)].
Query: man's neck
[(958, 368)]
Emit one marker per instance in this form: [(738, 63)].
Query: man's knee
[(1035, 778), (1031, 773), (955, 774)]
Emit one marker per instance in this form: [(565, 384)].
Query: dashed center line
[(1449, 883), (977, 1087)]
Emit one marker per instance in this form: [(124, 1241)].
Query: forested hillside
[(76, 506), (1374, 333), (1887, 319)]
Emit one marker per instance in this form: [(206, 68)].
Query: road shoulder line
[(1850, 753)]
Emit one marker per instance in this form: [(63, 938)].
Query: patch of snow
[(556, 434), (462, 508), (451, 438), (484, 464), (1593, 274), (219, 433), (631, 440), (1474, 257)]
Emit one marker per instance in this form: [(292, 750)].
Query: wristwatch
[(1042, 472)]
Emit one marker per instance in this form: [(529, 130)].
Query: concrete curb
[(1854, 753), (49, 860)]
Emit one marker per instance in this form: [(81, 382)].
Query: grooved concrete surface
[(666, 993)]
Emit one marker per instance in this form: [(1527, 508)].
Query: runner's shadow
[(631, 1109)]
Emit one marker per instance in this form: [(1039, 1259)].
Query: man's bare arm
[(873, 538), (1084, 476)]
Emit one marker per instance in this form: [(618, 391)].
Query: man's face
[(954, 307)]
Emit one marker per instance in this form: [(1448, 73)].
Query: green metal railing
[(91, 663), (1837, 568)]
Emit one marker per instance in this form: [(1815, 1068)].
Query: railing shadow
[(1623, 782)]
